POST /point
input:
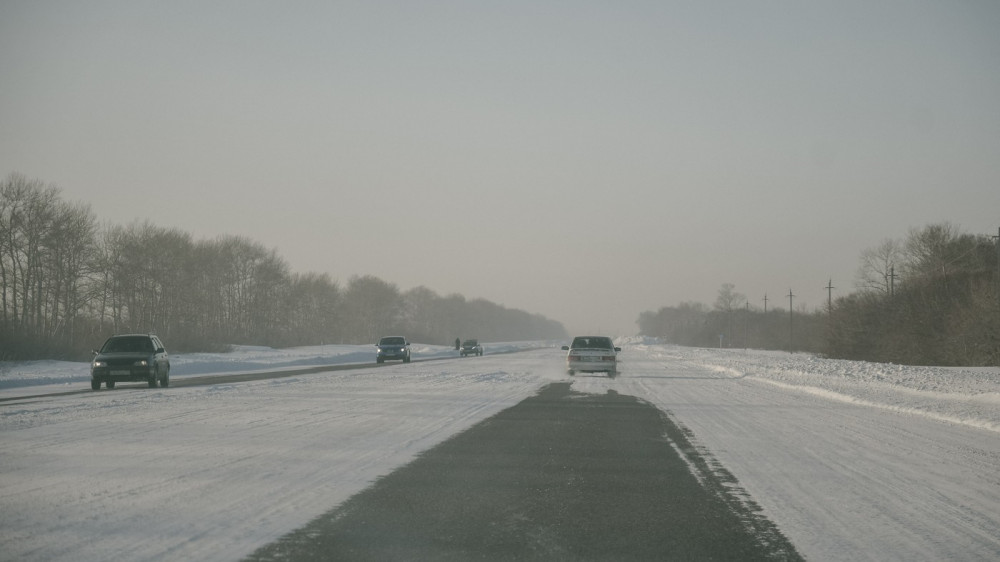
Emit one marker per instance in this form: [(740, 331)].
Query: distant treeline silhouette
[(929, 299), (66, 283)]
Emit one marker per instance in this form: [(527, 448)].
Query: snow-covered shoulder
[(965, 395)]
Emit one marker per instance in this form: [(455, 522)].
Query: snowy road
[(842, 480), (847, 468)]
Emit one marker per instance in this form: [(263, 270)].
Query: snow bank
[(965, 395)]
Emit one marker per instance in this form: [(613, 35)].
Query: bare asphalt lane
[(560, 476)]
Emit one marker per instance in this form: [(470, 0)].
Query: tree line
[(67, 282), (930, 298)]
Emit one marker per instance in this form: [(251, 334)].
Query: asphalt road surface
[(560, 476)]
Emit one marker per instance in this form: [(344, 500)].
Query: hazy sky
[(583, 160)]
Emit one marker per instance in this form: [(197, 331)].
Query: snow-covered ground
[(851, 460), (964, 395)]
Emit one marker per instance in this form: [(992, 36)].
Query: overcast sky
[(583, 160)]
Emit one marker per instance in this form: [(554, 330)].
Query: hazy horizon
[(585, 161)]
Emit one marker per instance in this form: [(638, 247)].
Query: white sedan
[(592, 354)]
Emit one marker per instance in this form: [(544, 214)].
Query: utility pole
[(791, 332), (829, 295), (765, 304), (746, 330), (892, 282)]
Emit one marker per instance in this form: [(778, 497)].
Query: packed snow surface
[(851, 460)]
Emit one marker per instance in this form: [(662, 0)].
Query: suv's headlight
[(142, 363), (99, 364)]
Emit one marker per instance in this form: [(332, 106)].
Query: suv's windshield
[(392, 341), (128, 344)]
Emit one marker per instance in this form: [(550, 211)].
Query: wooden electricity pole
[(791, 331), (746, 327), (829, 297)]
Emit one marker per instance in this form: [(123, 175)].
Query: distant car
[(392, 348), (471, 347), (130, 358), (592, 354)]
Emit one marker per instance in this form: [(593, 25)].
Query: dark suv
[(392, 347), (471, 347), (129, 358)]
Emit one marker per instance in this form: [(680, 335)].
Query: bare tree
[(71, 247), (929, 250), (27, 216), (727, 302), (312, 309), (728, 299), (372, 306), (941, 250), (878, 266), (423, 316), (63, 277)]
